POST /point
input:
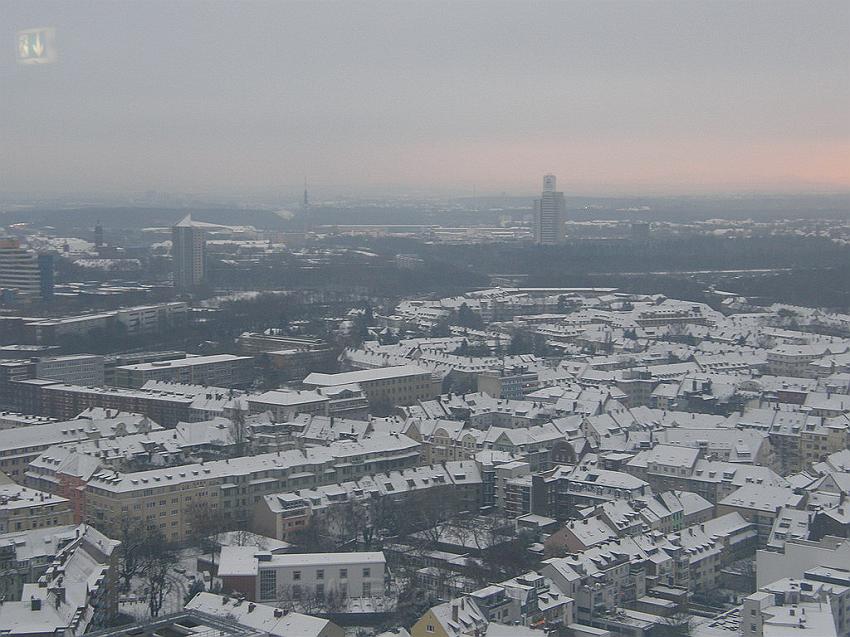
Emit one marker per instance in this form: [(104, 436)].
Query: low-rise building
[(295, 577)]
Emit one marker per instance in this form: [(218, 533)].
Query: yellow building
[(23, 509)]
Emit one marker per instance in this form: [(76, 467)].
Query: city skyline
[(618, 98)]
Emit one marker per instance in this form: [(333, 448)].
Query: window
[(320, 574), (429, 628), (320, 591), (268, 583), (296, 575), (367, 589), (367, 572), (343, 573)]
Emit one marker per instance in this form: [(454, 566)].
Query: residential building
[(284, 515), (259, 618), (76, 591), (23, 509), (223, 370), (400, 385), (171, 498), (284, 405), (22, 445)]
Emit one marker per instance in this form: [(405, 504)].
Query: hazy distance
[(251, 97)]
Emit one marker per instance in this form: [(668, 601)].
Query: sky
[(636, 97)]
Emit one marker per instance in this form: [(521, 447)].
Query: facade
[(291, 358), (173, 498), (221, 370), (79, 369), (23, 273), (265, 577), (23, 509), (400, 385), (65, 402), (22, 445), (188, 253), (76, 591), (284, 405), (817, 604), (142, 319), (512, 383), (283, 515), (549, 214)]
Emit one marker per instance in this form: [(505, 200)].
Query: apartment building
[(674, 468), (818, 604), (172, 498), (223, 370), (284, 405), (443, 440), (291, 357), (77, 590), (144, 319), (265, 577), (79, 369), (137, 320), (25, 555), (283, 515), (513, 383), (794, 360), (22, 445), (400, 385), (23, 509), (558, 493), (63, 402), (761, 504)]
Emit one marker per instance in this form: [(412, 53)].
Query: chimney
[(454, 613)]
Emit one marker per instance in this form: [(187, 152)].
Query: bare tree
[(133, 536), (205, 527), (336, 600), (429, 511), (157, 561)]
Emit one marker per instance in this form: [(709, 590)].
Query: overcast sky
[(251, 97)]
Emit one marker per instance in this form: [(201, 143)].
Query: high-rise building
[(23, 273), (188, 253), (549, 214), (98, 235)]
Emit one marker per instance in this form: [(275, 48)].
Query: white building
[(264, 577)]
